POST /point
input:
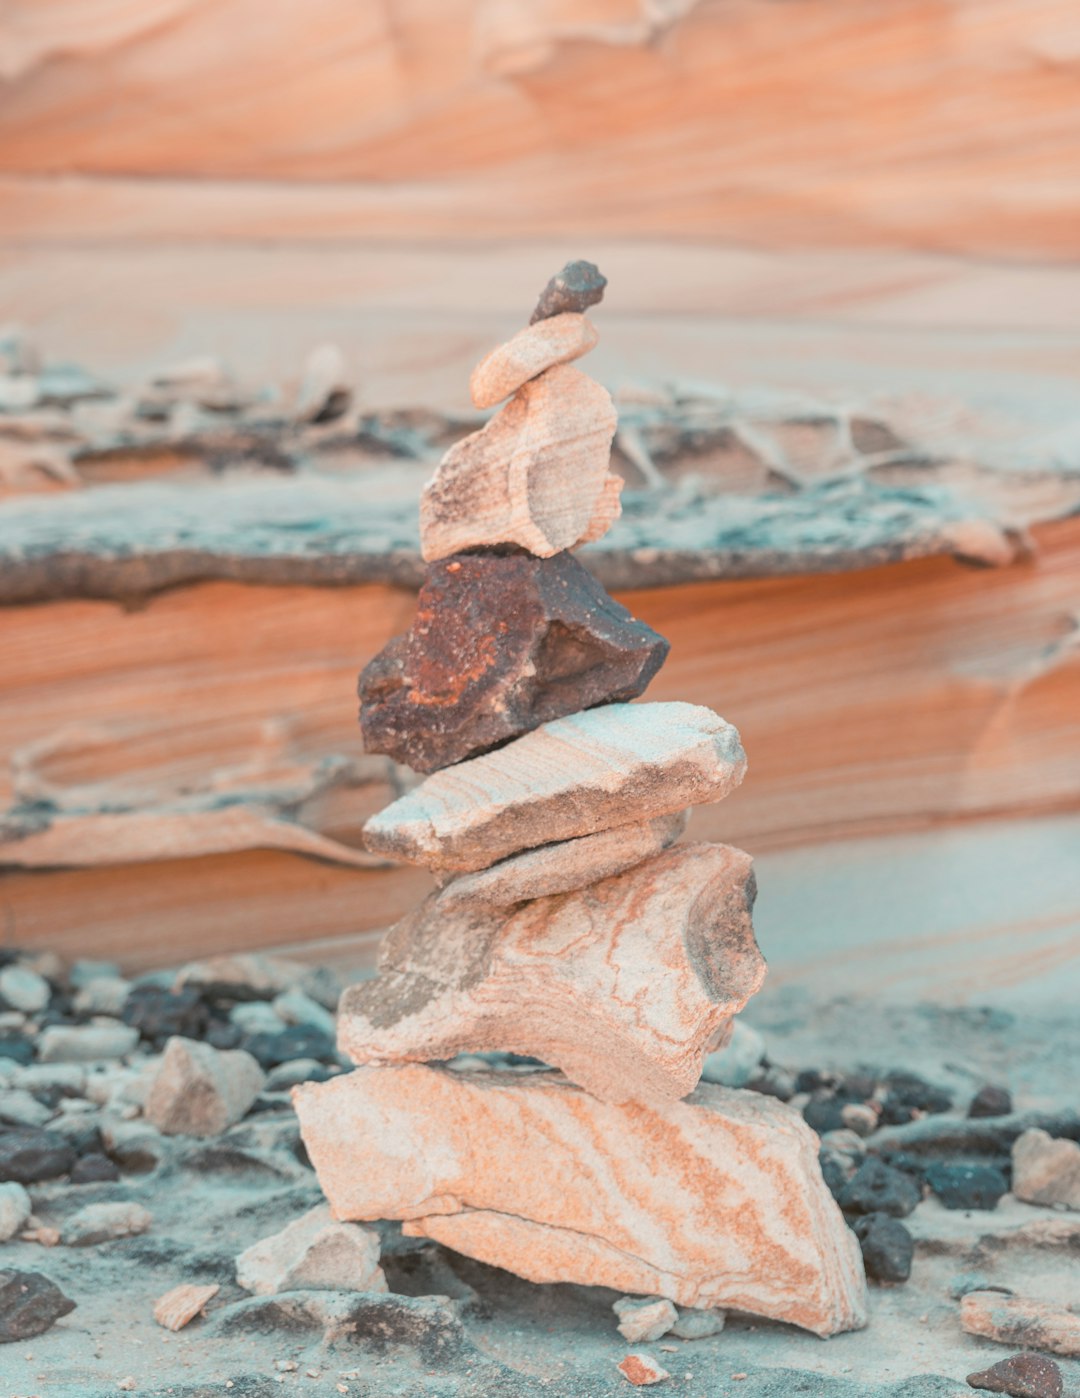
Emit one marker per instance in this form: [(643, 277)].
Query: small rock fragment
[(182, 1304), (256, 976), (99, 1223), (960, 1185), (199, 1090), (887, 1247), (698, 1325), (991, 1100), (294, 1041), (107, 995), (28, 1154), (14, 1209), (85, 1043), (297, 1008), (314, 1253), (325, 392), (160, 1014), (860, 1117), (644, 1320), (29, 1305), (1045, 1170), (878, 1188), (500, 644), (94, 1169), (556, 340), (24, 989), (1014, 1320), (641, 1369), (735, 1064), (578, 286), (1021, 1376), (21, 1108)]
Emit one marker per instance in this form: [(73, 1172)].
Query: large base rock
[(716, 1201), (624, 985)]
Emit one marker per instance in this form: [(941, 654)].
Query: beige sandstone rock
[(1014, 1320), (644, 1320), (531, 351), (571, 777), (536, 475), (714, 1201), (624, 985), (567, 864), (199, 1090), (1046, 1170), (182, 1304), (314, 1253)]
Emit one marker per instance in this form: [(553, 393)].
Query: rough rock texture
[(1014, 1320), (565, 865), (573, 776), (500, 644), (557, 340), (536, 475), (14, 1209), (29, 1305), (182, 1304), (1021, 1376), (199, 1090), (1045, 1170), (715, 1201), (578, 286), (313, 1253), (98, 1223), (624, 985), (642, 1369), (644, 1320)]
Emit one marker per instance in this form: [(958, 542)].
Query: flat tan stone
[(1046, 1169), (313, 1253), (567, 864), (537, 475), (1015, 1320), (625, 985), (571, 777), (182, 1304), (716, 1201), (531, 351)]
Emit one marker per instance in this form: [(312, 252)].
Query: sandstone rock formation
[(541, 346), (500, 643), (570, 777), (715, 1201), (624, 985)]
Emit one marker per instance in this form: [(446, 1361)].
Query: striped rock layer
[(716, 1201)]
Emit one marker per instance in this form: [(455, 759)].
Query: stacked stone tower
[(568, 925)]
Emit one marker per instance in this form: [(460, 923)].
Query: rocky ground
[(111, 1197)]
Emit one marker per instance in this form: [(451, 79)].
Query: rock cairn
[(568, 924)]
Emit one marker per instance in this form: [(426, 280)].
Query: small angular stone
[(94, 1169), (182, 1304), (1013, 1320), (1021, 1376), (23, 989), (29, 1154), (86, 1043), (713, 1201), (623, 985), (1045, 1170), (578, 286), (887, 1247), (500, 644), (641, 1321), (557, 340), (199, 1090), (314, 1253), (960, 1185), (878, 1188), (537, 475), (641, 1369), (698, 1325), (160, 1014), (991, 1100), (571, 777), (29, 1305), (99, 1223)]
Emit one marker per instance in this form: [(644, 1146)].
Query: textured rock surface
[(715, 1201), (29, 1304), (644, 1320), (567, 864), (313, 1253), (182, 1304), (500, 644), (1045, 1170), (557, 340), (199, 1090), (623, 985), (642, 1370), (577, 287), (1014, 1320), (536, 476), (98, 1223), (1021, 1376), (571, 777)]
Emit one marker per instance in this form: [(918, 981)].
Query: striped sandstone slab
[(556, 340)]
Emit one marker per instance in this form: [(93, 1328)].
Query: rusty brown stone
[(577, 287), (1021, 1376), (501, 643)]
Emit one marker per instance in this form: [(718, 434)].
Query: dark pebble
[(28, 1154), (1022, 1376), (877, 1188), (825, 1111), (908, 1096), (966, 1186), (86, 1140), (223, 1034), (887, 1247), (833, 1173), (297, 1041), (18, 1047), (991, 1101), (812, 1080), (160, 1014), (94, 1169), (29, 1305)]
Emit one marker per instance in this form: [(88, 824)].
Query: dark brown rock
[(501, 643), (577, 287), (29, 1304), (1022, 1376)]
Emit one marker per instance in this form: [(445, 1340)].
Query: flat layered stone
[(537, 475), (500, 644), (557, 340), (624, 985), (574, 776), (716, 1201)]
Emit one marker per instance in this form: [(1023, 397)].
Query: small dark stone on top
[(1022, 1376), (160, 1014), (887, 1247), (991, 1101), (29, 1304), (297, 1041), (877, 1188), (28, 1154), (94, 1169), (18, 1047), (960, 1185), (577, 287)]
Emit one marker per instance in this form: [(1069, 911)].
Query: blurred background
[(249, 252)]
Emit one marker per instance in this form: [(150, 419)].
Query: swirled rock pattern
[(557, 340)]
